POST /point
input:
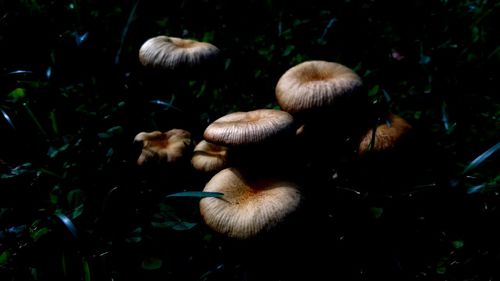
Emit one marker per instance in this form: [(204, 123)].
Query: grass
[(75, 205)]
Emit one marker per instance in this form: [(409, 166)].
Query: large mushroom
[(312, 85), (257, 139), (169, 146), (172, 52), (249, 206), (249, 128), (326, 99)]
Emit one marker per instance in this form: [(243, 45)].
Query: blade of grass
[(197, 194), (20, 72), (7, 118), (68, 224), (480, 159), (125, 31), (33, 117), (86, 269), (165, 104), (53, 122)]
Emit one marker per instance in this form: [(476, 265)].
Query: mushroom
[(209, 157), (386, 136), (315, 84), (249, 206), (169, 146), (247, 128), (173, 52)]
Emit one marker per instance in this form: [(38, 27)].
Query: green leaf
[(373, 91), (476, 188), (17, 94), (86, 269), (175, 225), (376, 212), (34, 273), (184, 226), (289, 49), (4, 257), (227, 63), (53, 152), (75, 198), (37, 234), (111, 132), (441, 270), (208, 36), (480, 159), (77, 211), (202, 90), (457, 244), (151, 263), (18, 171), (441, 266), (136, 236), (197, 194), (53, 122)]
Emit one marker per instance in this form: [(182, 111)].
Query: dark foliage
[(75, 206)]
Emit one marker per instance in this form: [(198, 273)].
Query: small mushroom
[(173, 52), (249, 206), (315, 84), (169, 146), (386, 137), (247, 128), (209, 157)]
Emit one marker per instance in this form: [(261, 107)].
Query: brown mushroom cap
[(172, 52), (248, 206), (209, 157), (252, 127), (169, 146), (315, 84), (387, 136)]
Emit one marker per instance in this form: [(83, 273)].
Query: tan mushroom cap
[(315, 84), (248, 206), (169, 146), (209, 157), (252, 127), (386, 136), (172, 52)]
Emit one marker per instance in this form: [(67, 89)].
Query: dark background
[(75, 206)]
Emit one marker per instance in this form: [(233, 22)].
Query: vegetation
[(74, 205)]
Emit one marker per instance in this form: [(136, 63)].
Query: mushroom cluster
[(254, 158)]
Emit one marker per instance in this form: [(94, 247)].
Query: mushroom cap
[(249, 206), (209, 157), (252, 127), (173, 52), (169, 146), (387, 135), (315, 84)]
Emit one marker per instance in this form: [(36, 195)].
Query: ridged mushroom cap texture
[(173, 52), (169, 146), (209, 157), (315, 84), (387, 136), (252, 127), (248, 207)]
